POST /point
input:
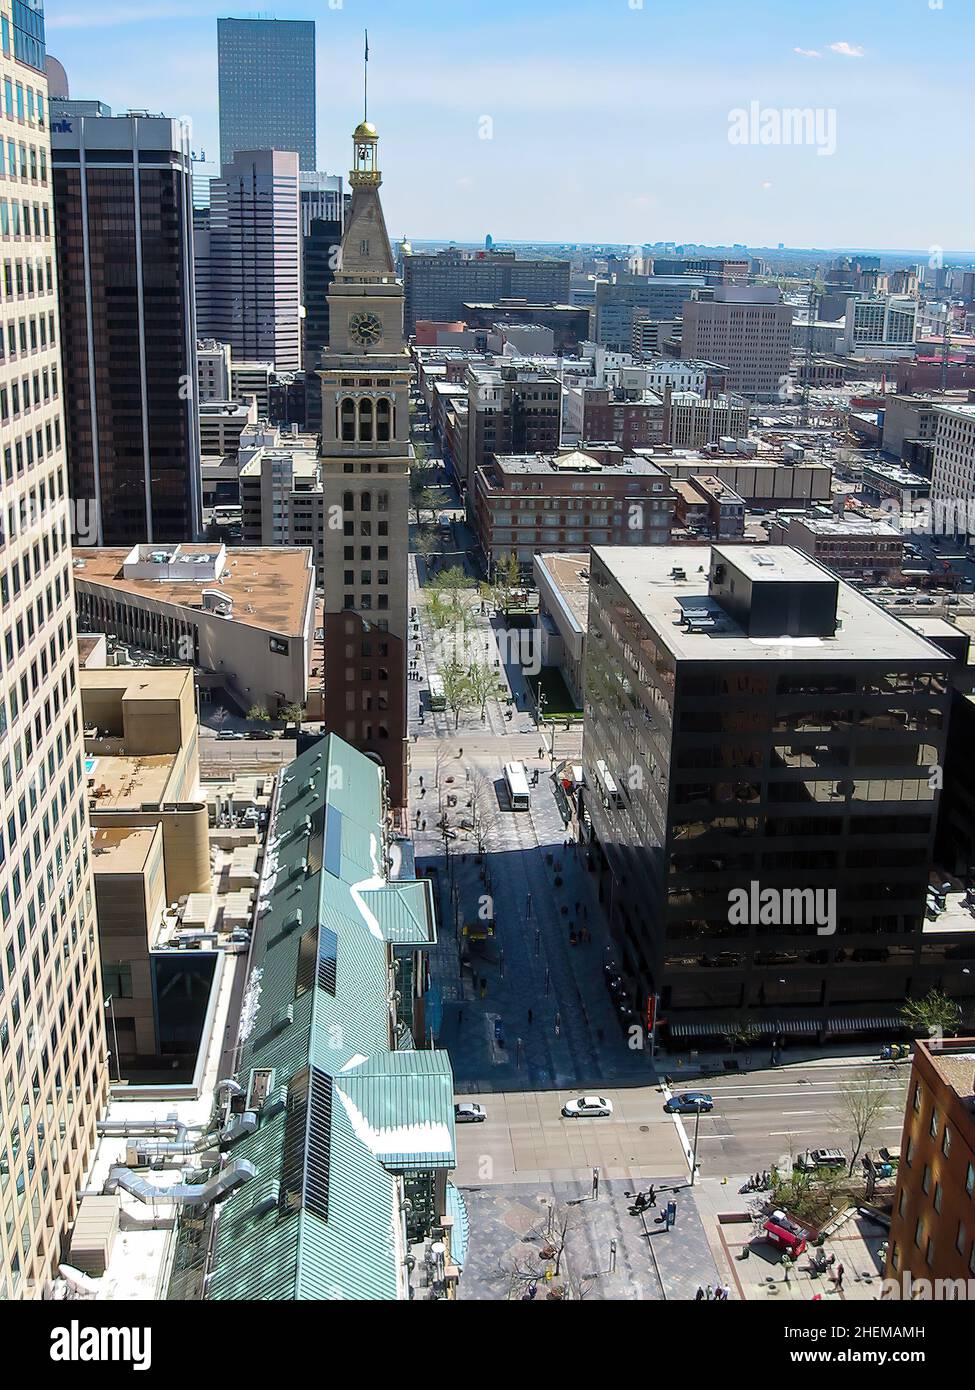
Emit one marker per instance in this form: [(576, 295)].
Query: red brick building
[(932, 1229)]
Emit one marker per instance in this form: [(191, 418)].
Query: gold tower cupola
[(365, 171)]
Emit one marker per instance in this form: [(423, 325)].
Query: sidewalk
[(691, 1063), (858, 1244)]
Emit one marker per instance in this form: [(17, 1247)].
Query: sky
[(602, 120)]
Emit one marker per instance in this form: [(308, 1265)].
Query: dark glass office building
[(321, 245), (123, 217), (759, 750), (266, 75)]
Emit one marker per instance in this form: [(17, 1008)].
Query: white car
[(587, 1105), (468, 1112)]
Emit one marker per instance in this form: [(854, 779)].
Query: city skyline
[(445, 83)]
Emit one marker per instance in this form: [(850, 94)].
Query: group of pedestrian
[(710, 1293)]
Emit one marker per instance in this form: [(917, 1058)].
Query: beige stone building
[(53, 1074), (243, 617), (150, 820)]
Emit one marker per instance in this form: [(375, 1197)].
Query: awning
[(871, 1023), (766, 1027)]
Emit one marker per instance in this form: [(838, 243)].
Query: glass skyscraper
[(267, 87)]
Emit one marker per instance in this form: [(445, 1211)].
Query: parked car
[(690, 1103), (468, 1112), (820, 1158), (785, 1234), (261, 733), (229, 734), (587, 1105)]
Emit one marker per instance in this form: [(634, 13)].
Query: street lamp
[(110, 1005), (697, 1125)]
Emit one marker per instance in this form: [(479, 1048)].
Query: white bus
[(516, 780), (607, 785), (438, 697)]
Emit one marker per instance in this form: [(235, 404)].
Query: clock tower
[(365, 465)]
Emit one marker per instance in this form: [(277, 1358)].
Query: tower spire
[(365, 81)]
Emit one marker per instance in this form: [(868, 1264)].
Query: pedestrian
[(460, 1017), (709, 1293), (424, 826), (839, 1277), (699, 1295), (530, 1017)]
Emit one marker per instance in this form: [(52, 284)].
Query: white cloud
[(847, 50), (808, 52)]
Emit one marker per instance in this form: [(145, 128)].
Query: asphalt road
[(759, 1119)]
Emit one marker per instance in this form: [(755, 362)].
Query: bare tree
[(861, 1100), (456, 687), (484, 683)]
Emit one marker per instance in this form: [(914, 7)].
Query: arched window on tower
[(365, 422), (383, 419), (347, 421)]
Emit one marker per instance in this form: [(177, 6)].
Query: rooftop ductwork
[(182, 1194)]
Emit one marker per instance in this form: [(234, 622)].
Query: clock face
[(366, 329)]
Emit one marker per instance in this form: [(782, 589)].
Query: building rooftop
[(577, 462), (569, 576), (954, 1061), (848, 526), (270, 586), (117, 781), (865, 630), (351, 1108), (122, 849)]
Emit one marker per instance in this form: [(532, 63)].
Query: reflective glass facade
[(793, 776), (266, 74)]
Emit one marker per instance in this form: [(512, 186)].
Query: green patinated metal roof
[(320, 1220)]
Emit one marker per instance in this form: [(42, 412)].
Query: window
[(946, 1142), (117, 978), (970, 1179)]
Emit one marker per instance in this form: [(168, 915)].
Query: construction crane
[(812, 305), (946, 347)]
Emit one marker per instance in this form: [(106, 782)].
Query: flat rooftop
[(867, 631), (121, 850), (122, 782), (565, 572), (955, 1064), (577, 462), (852, 526), (270, 585)]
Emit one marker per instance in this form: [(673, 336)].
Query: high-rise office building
[(322, 207), (365, 470), (749, 330), (123, 214), (759, 745), (248, 260), (437, 286), (628, 296), (52, 1022), (266, 76)]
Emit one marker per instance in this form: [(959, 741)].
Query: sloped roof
[(355, 1112)]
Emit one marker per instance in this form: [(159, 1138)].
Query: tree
[(456, 687), (426, 544), (293, 712), (861, 1100), (484, 683), (932, 1016), (740, 1032), (507, 578), (452, 582), (421, 498), (258, 713)]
